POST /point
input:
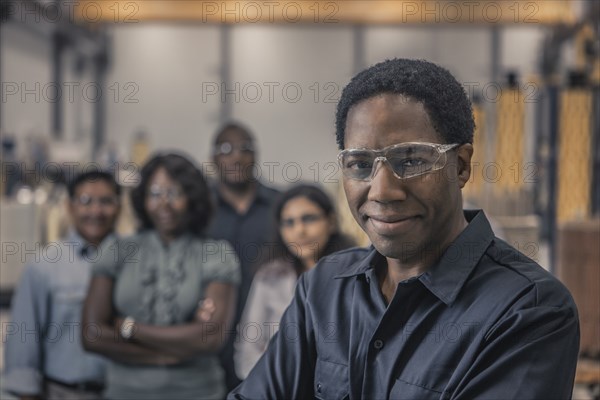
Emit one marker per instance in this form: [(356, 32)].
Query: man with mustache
[(44, 357), (438, 307)]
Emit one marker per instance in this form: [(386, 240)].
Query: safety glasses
[(406, 160), (105, 201), (226, 148)]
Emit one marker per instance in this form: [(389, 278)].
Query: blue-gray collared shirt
[(484, 322), (43, 338)]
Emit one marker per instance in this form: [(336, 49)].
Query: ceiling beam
[(386, 12)]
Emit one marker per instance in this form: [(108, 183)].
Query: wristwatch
[(126, 328)]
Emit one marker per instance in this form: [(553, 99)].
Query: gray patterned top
[(162, 285)]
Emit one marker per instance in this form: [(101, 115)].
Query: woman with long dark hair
[(145, 295), (306, 231)]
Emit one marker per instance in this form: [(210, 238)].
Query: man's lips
[(95, 221), (388, 224), (165, 217)]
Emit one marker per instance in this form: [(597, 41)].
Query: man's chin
[(401, 249), (94, 236), (237, 185)]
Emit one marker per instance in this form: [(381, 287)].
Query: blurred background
[(102, 84)]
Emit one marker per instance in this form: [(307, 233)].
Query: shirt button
[(319, 387), (378, 344)]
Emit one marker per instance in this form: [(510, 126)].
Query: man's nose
[(236, 155), (384, 186), (95, 208)]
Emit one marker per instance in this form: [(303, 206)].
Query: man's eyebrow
[(411, 149)]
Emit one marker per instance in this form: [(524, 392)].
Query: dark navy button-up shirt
[(248, 233), (484, 322)]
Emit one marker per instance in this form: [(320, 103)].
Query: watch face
[(127, 328)]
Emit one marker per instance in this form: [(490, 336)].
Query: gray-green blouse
[(161, 285)]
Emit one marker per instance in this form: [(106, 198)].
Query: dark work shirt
[(484, 322), (248, 233)]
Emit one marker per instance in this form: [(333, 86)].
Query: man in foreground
[(437, 308)]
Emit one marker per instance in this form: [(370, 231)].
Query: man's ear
[(464, 153)]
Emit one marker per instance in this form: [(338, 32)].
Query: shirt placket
[(366, 314), (386, 344)]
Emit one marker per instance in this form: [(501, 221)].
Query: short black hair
[(192, 181), (92, 176), (443, 97)]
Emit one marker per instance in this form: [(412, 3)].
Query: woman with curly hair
[(306, 230), (143, 307)]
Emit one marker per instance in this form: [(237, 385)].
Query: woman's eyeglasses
[(305, 219), (156, 193)]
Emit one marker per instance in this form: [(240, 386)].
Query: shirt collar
[(176, 245), (76, 239), (362, 265), (447, 277), (79, 243), (262, 193)]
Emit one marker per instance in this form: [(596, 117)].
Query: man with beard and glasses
[(243, 215), (438, 307), (44, 358)]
